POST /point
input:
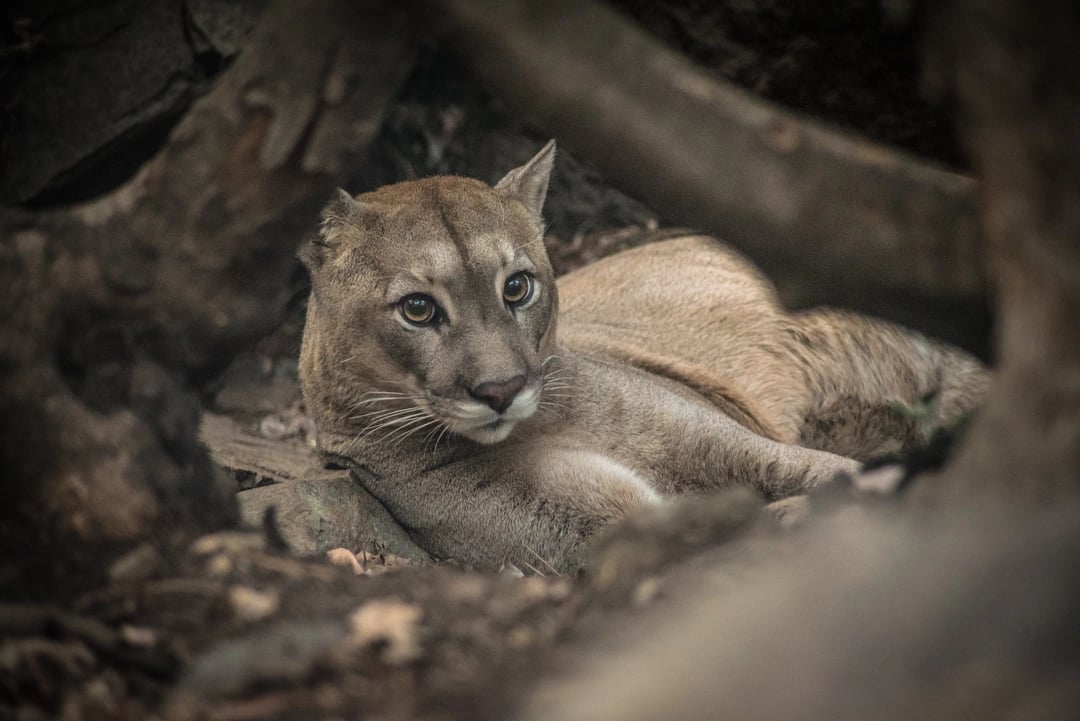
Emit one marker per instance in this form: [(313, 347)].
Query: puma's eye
[(518, 289), (418, 309)]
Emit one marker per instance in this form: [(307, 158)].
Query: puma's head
[(433, 306)]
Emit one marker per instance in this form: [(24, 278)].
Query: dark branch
[(834, 219)]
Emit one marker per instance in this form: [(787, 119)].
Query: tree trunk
[(1010, 69)]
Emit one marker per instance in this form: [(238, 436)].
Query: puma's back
[(694, 310)]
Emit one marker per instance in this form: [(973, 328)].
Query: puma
[(501, 415)]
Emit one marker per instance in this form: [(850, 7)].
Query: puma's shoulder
[(690, 308)]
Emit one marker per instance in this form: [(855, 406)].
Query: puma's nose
[(498, 396)]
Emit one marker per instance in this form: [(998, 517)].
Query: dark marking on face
[(406, 355), (460, 239)]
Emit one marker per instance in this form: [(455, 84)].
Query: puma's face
[(434, 305)]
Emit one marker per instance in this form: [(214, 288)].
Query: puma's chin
[(491, 433)]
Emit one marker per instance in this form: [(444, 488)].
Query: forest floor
[(237, 625)]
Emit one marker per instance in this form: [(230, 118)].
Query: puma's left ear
[(529, 183), (319, 247)]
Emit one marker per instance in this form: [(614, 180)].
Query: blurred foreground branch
[(1008, 68)]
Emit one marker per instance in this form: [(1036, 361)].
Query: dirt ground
[(236, 625)]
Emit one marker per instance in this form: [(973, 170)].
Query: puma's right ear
[(529, 183), (338, 214)]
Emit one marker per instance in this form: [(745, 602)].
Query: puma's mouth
[(491, 433)]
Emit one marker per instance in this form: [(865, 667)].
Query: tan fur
[(673, 369), (821, 378)]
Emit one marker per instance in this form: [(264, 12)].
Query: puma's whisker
[(543, 560), (392, 424), (373, 397), (442, 434), (433, 434), (380, 415), (531, 568), (411, 429)]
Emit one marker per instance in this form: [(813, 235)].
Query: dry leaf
[(251, 605), (391, 622)]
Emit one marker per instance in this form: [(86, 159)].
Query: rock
[(222, 24), (94, 87), (249, 388), (317, 509), (119, 69)]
